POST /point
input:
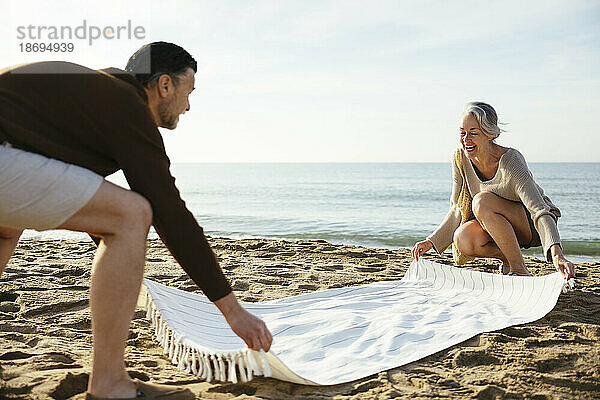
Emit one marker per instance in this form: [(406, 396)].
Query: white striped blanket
[(339, 335)]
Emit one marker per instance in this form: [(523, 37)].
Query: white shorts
[(41, 193)]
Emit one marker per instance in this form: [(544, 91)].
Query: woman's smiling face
[(472, 139)]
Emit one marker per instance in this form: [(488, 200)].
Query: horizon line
[(362, 162)]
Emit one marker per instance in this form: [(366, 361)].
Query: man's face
[(177, 100)]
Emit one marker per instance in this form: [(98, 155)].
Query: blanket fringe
[(208, 365)]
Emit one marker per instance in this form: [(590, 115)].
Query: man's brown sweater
[(100, 120)]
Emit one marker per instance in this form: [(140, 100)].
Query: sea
[(384, 205)]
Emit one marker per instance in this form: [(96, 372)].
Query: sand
[(45, 337)]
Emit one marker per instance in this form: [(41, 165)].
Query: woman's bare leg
[(473, 240), (500, 226)]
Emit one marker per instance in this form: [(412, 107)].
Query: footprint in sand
[(70, 272), (471, 358), (330, 267), (308, 286), (370, 268), (254, 246), (268, 281), (19, 328), (492, 392), (265, 255), (160, 277), (192, 288), (11, 392), (15, 355), (229, 266), (542, 397), (520, 333), (327, 248), (355, 254), (9, 308), (500, 338), (8, 296), (234, 389), (54, 360), (281, 276), (70, 385), (240, 285), (563, 363), (20, 338), (149, 363), (533, 343), (381, 256), (181, 278), (57, 308), (84, 325), (306, 246), (364, 387), (588, 331)]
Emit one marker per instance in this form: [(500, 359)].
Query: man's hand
[(251, 329)]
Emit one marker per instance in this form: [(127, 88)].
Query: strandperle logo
[(84, 31)]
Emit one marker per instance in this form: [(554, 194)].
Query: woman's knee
[(483, 202), (463, 239)]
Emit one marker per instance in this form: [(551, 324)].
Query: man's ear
[(164, 85)]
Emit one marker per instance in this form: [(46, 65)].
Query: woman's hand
[(421, 248), (562, 265)]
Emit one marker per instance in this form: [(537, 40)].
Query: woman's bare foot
[(522, 271)]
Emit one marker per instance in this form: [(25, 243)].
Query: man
[(64, 127)]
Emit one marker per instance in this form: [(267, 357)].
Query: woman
[(510, 209)]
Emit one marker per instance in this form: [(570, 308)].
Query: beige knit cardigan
[(513, 181)]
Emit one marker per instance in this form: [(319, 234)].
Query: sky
[(353, 81)]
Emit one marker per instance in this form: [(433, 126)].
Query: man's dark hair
[(159, 58)]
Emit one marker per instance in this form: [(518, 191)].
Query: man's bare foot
[(147, 390), (122, 389)]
